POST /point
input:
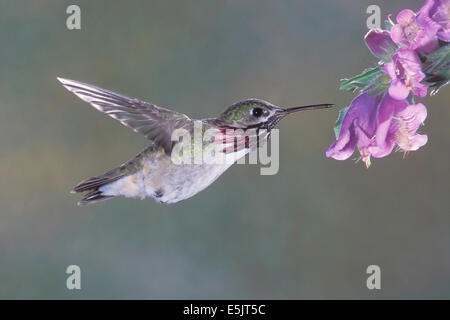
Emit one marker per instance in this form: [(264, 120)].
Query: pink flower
[(415, 31), (357, 129), (397, 123), (437, 12), (405, 71), (380, 43), (375, 124), (404, 125)]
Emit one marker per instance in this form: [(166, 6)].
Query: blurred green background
[(308, 232)]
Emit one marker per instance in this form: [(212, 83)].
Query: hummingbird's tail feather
[(93, 197), (93, 185), (96, 182)]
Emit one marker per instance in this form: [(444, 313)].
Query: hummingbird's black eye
[(257, 112)]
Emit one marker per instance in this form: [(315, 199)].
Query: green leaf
[(338, 123), (438, 61), (361, 81), (389, 51), (382, 84), (437, 68), (440, 81)]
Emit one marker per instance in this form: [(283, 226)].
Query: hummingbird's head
[(259, 114)]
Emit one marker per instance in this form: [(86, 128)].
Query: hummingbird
[(152, 173)]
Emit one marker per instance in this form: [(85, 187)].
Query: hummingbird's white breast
[(167, 182)]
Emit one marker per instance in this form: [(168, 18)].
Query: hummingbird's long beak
[(303, 108)]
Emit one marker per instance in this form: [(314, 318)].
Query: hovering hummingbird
[(152, 173)]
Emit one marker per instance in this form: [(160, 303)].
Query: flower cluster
[(414, 56)]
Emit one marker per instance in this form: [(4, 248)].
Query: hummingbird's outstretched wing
[(154, 122)]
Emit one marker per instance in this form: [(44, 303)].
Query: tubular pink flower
[(437, 12), (405, 71), (405, 124), (415, 32), (375, 124), (357, 127)]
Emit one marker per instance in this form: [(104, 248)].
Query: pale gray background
[(308, 232)]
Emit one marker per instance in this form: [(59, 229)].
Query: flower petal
[(341, 152), (410, 57), (360, 116), (408, 121), (405, 17), (433, 16), (379, 42), (397, 34), (413, 115), (389, 69), (398, 90), (427, 6), (386, 110), (417, 141), (383, 150), (405, 72), (420, 90), (444, 34)]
